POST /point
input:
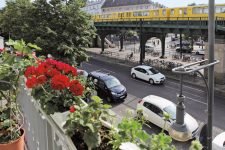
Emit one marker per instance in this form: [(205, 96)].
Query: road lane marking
[(187, 86), (185, 92), (196, 100), (173, 89)]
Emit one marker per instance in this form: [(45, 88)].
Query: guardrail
[(41, 131)]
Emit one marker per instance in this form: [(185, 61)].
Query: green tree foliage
[(59, 27)]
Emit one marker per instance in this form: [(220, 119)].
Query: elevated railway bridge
[(160, 27)]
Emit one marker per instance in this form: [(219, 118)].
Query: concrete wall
[(1, 42), (219, 55)]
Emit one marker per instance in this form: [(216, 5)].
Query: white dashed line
[(187, 86)]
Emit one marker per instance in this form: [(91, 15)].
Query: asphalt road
[(195, 102)]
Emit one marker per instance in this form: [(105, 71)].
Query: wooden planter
[(15, 145)]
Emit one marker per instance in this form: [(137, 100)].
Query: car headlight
[(113, 93)]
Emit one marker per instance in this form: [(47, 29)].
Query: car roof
[(143, 66), (158, 101), (101, 75)]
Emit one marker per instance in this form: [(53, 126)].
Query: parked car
[(153, 108), (218, 142), (148, 73), (200, 43), (108, 86), (82, 73), (185, 49), (149, 48), (200, 52)]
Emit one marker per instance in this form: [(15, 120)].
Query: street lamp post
[(178, 130), (211, 41)]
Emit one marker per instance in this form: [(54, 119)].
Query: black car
[(108, 86), (185, 49)]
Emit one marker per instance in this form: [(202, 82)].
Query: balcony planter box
[(18, 144)]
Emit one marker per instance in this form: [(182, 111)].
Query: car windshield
[(154, 71), (171, 110), (112, 82)]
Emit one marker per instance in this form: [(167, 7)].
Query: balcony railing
[(43, 132)]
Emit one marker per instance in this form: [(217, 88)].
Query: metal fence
[(41, 131)]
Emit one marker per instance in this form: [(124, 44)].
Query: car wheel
[(197, 53), (151, 81), (133, 75), (108, 99)]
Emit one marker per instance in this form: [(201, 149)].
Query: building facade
[(110, 6), (93, 7)]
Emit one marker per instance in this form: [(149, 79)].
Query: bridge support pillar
[(95, 41), (102, 37), (162, 38), (219, 55), (181, 45), (121, 42)]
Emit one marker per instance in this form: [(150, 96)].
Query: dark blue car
[(108, 86)]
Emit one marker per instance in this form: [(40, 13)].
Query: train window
[(164, 12), (145, 13), (205, 10), (156, 12), (197, 10), (180, 11), (172, 11), (220, 9), (185, 11)]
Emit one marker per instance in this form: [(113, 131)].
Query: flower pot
[(15, 145)]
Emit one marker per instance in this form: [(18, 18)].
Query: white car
[(219, 142), (153, 108), (148, 73), (200, 52)]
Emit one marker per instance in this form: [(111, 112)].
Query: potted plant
[(85, 127), (55, 85), (12, 63)]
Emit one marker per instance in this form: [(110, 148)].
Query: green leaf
[(90, 126), (92, 140), (34, 46), (7, 123)]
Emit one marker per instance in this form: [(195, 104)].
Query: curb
[(217, 91)]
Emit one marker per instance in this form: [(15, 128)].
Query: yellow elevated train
[(181, 13)]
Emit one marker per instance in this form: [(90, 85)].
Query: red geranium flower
[(60, 82), (76, 88), (40, 70), (30, 71), (31, 82), (72, 109), (53, 72), (74, 71), (41, 79)]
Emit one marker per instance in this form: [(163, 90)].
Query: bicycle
[(129, 57)]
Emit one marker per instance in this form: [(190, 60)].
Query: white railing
[(41, 131)]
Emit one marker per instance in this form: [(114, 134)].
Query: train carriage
[(199, 12)]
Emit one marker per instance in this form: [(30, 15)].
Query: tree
[(192, 4), (59, 27)]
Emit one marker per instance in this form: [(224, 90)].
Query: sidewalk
[(113, 55)]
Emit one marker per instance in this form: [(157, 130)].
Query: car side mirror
[(147, 73)]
